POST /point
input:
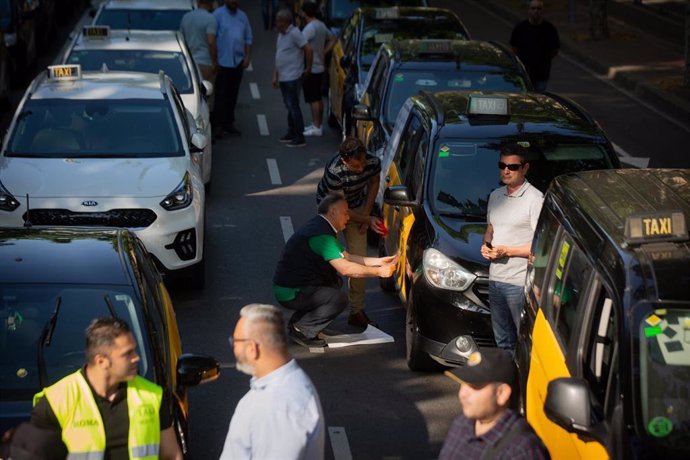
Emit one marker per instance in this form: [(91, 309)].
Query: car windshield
[(465, 172), (74, 128), (661, 343), (341, 9), (409, 82), (173, 64), (141, 19), (25, 310)]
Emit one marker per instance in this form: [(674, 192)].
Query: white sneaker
[(313, 131), (307, 128)]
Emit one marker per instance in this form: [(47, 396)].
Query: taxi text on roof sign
[(487, 105), (658, 226), (96, 31), (64, 72), (387, 13), (436, 46)]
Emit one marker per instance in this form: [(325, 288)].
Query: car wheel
[(387, 284), (417, 359)]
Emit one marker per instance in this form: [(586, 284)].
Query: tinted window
[(141, 19), (600, 345), (59, 128), (340, 9), (173, 64)]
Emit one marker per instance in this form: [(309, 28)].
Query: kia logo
[(89, 203)]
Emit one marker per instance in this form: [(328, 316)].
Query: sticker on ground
[(370, 336)]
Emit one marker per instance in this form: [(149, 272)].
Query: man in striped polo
[(354, 173)]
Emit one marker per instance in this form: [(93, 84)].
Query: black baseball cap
[(488, 365)]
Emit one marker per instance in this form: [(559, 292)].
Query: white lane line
[(263, 124), (625, 157), (254, 89), (224, 225), (273, 171), (286, 226), (341, 448), (227, 365), (249, 68)]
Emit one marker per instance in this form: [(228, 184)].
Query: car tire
[(417, 359), (387, 284)]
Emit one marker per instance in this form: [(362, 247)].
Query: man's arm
[(309, 57), (330, 43), (170, 450), (355, 270), (247, 55), (488, 237), (213, 50)]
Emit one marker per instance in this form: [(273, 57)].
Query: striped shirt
[(338, 178)]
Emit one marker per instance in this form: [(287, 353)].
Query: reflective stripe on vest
[(82, 427)]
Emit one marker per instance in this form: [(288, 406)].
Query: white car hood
[(92, 177)]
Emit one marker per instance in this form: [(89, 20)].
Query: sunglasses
[(511, 166)]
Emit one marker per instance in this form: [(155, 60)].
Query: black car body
[(438, 171), (69, 277), (604, 345)]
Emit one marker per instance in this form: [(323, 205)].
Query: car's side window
[(416, 178), (179, 106), (542, 247), (375, 89), (408, 148)]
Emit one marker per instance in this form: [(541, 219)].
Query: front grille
[(128, 218), (483, 341), (480, 288)]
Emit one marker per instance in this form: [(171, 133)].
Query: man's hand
[(386, 271), (377, 224), (245, 62), (389, 260), (495, 252)]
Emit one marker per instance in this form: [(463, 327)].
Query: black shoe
[(297, 142), (287, 138), (233, 132), (360, 319), (305, 341)]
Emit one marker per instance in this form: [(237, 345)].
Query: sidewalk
[(644, 53)]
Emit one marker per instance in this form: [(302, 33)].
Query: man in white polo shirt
[(512, 216)]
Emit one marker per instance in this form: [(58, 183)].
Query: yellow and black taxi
[(53, 282), (604, 343), (362, 36), (403, 68), (440, 167), (335, 12), (142, 14)]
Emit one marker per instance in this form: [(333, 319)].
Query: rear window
[(141, 19)]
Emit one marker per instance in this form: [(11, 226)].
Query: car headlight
[(7, 201), (200, 123), (181, 197), (444, 273)]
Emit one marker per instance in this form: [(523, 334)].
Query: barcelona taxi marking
[(96, 32), (661, 226), (64, 72), (481, 105)]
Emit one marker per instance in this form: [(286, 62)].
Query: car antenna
[(44, 341), (110, 306), (27, 221)]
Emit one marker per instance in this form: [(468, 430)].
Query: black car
[(53, 282), (440, 168)]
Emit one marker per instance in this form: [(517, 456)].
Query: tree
[(598, 20), (686, 79)]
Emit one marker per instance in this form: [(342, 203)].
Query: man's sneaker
[(307, 128), (313, 131), (360, 319), (296, 142), (287, 138), (301, 339)]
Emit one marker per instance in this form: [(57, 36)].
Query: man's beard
[(245, 368)]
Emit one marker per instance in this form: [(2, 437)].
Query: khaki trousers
[(357, 245)]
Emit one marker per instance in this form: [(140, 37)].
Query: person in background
[(199, 30), (281, 415), (269, 8), (234, 43), (535, 41)]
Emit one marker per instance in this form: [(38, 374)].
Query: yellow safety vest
[(82, 427)]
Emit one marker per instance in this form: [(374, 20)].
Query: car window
[(416, 178), (542, 247), (179, 105), (376, 86), (407, 149), (141, 19), (173, 64), (76, 128)]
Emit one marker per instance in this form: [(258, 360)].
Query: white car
[(109, 149), (143, 14), (148, 51)]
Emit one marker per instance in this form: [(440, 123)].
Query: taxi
[(149, 51), (53, 283), (108, 149), (142, 14), (440, 168), (604, 344), (335, 12), (403, 68), (362, 36)]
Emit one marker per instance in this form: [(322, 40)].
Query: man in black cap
[(487, 427)]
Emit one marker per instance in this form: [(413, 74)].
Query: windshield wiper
[(44, 341)]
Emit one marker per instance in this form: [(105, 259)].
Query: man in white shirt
[(281, 415)]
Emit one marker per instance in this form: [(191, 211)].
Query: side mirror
[(361, 112), (398, 195), (207, 87), (198, 142), (346, 62), (568, 405), (195, 369)]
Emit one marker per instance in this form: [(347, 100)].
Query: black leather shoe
[(301, 339), (360, 319)]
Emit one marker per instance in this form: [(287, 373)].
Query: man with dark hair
[(105, 409), (512, 215), (281, 415), (487, 427), (306, 278), (355, 173)]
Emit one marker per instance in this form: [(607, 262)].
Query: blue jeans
[(269, 17), (506, 302), (290, 91)]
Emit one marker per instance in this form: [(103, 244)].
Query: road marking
[(273, 171), (339, 443), (227, 365), (263, 124), (224, 225), (250, 68), (625, 157), (286, 226), (254, 89)]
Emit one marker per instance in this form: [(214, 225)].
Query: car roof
[(65, 255), (120, 39), (529, 113), (475, 54), (100, 85), (150, 4)]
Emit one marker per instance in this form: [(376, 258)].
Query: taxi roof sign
[(488, 105), (654, 227), (436, 46), (97, 32), (64, 72), (387, 13)]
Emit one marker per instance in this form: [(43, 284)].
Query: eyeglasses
[(511, 166), (232, 341)]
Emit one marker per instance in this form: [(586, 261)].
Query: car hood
[(462, 241), (92, 177)]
